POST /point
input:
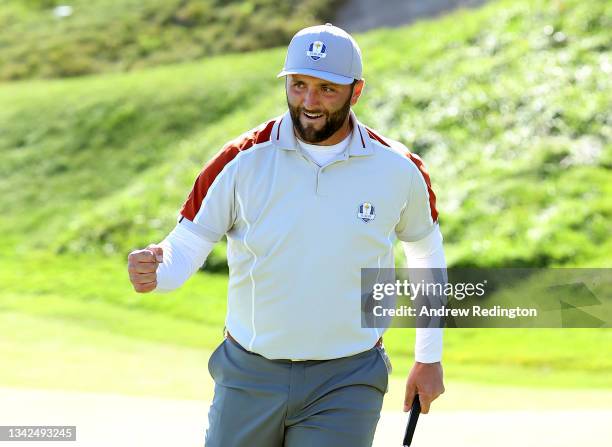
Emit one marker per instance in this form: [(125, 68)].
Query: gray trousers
[(275, 403)]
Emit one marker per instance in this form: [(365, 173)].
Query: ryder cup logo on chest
[(316, 50), (366, 212)]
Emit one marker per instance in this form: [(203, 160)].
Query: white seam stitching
[(248, 225)]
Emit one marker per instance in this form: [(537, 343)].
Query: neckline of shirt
[(334, 148), (320, 154)]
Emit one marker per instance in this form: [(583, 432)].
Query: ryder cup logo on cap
[(325, 52), (316, 50)]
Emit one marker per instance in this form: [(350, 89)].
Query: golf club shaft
[(412, 421)]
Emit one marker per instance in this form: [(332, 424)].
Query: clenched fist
[(142, 267)]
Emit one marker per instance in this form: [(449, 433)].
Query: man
[(306, 200)]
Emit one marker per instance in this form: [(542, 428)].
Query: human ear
[(357, 90)]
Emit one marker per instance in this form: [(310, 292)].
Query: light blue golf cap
[(326, 52)]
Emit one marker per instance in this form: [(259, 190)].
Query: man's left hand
[(425, 379)]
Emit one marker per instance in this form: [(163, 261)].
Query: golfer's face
[(318, 105)]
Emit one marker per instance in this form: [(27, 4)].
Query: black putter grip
[(412, 421)]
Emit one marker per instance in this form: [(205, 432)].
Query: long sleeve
[(427, 252), (206, 215), (184, 253)]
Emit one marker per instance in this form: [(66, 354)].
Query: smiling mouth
[(312, 116)]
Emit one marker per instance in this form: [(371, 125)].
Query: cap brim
[(331, 77)]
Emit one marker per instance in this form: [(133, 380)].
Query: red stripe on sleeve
[(432, 196), (214, 167), (421, 166)]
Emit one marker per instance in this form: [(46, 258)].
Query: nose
[(311, 99)]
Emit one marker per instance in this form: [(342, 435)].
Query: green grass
[(123, 35), (57, 311), (89, 359), (517, 141), (103, 143), (511, 121), (57, 353)]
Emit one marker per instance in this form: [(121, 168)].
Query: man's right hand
[(142, 267)]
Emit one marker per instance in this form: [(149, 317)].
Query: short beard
[(333, 122)]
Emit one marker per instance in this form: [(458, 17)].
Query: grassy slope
[(120, 35), (96, 166), (105, 142), (517, 139)]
